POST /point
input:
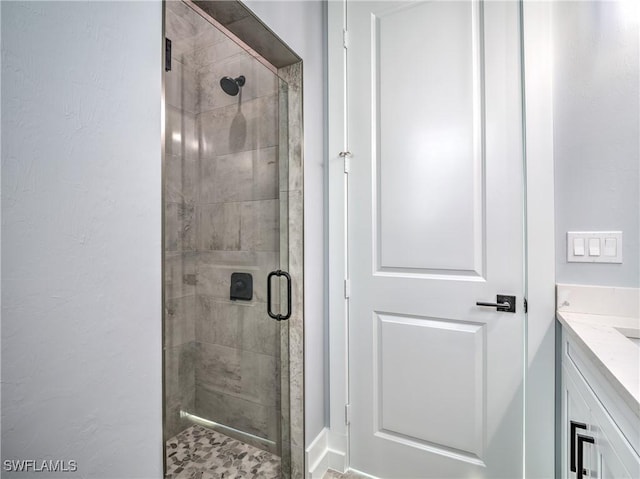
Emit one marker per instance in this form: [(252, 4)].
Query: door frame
[(539, 348)]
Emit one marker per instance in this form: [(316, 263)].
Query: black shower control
[(241, 286), (167, 55)]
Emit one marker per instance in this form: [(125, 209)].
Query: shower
[(231, 86), (232, 167)]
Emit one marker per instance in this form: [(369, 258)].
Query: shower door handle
[(279, 317)]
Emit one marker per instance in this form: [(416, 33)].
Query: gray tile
[(180, 134), (244, 176), (295, 205), (283, 135), (179, 320), (297, 461), (179, 227), (219, 322), (259, 80), (173, 422), (246, 125), (181, 90), (219, 226), (293, 77), (241, 226), (284, 230), (180, 374), (296, 322), (207, 35), (240, 325), (260, 225), (262, 40), (243, 374), (265, 174), (296, 385), (259, 333), (180, 29), (214, 269), (180, 179), (291, 99), (226, 178), (179, 274), (237, 324), (224, 12), (237, 413), (219, 368), (189, 32), (218, 49)]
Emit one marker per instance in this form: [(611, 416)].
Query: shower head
[(231, 86)]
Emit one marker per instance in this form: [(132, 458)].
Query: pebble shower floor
[(201, 453)]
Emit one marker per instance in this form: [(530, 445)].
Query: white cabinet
[(591, 412)]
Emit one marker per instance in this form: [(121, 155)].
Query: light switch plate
[(609, 246)]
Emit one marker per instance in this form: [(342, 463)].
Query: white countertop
[(615, 354)]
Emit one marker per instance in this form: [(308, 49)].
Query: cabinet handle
[(581, 440), (572, 430)]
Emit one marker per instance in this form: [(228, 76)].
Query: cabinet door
[(609, 464), (611, 456), (576, 411), (616, 459)]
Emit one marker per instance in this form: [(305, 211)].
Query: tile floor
[(201, 453)]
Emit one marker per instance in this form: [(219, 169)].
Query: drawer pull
[(581, 440), (572, 430)]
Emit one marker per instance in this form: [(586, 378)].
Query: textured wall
[(81, 222), (596, 124)]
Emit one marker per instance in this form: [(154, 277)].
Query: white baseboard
[(337, 460), (317, 457), (320, 457)]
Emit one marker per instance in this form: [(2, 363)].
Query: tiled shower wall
[(221, 216)]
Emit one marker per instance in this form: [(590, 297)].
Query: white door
[(435, 225)]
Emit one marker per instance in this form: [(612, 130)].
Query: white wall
[(81, 231), (596, 124), (302, 25)]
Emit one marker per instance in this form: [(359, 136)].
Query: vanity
[(600, 381)]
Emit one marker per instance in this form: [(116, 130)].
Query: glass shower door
[(225, 250)]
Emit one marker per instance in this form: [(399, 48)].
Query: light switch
[(593, 246), (610, 247)]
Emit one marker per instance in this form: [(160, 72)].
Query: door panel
[(404, 345), (435, 224), (433, 154)]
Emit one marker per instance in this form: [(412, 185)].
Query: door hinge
[(347, 288), (347, 414), (346, 157), (345, 39), (526, 305), (167, 55)]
